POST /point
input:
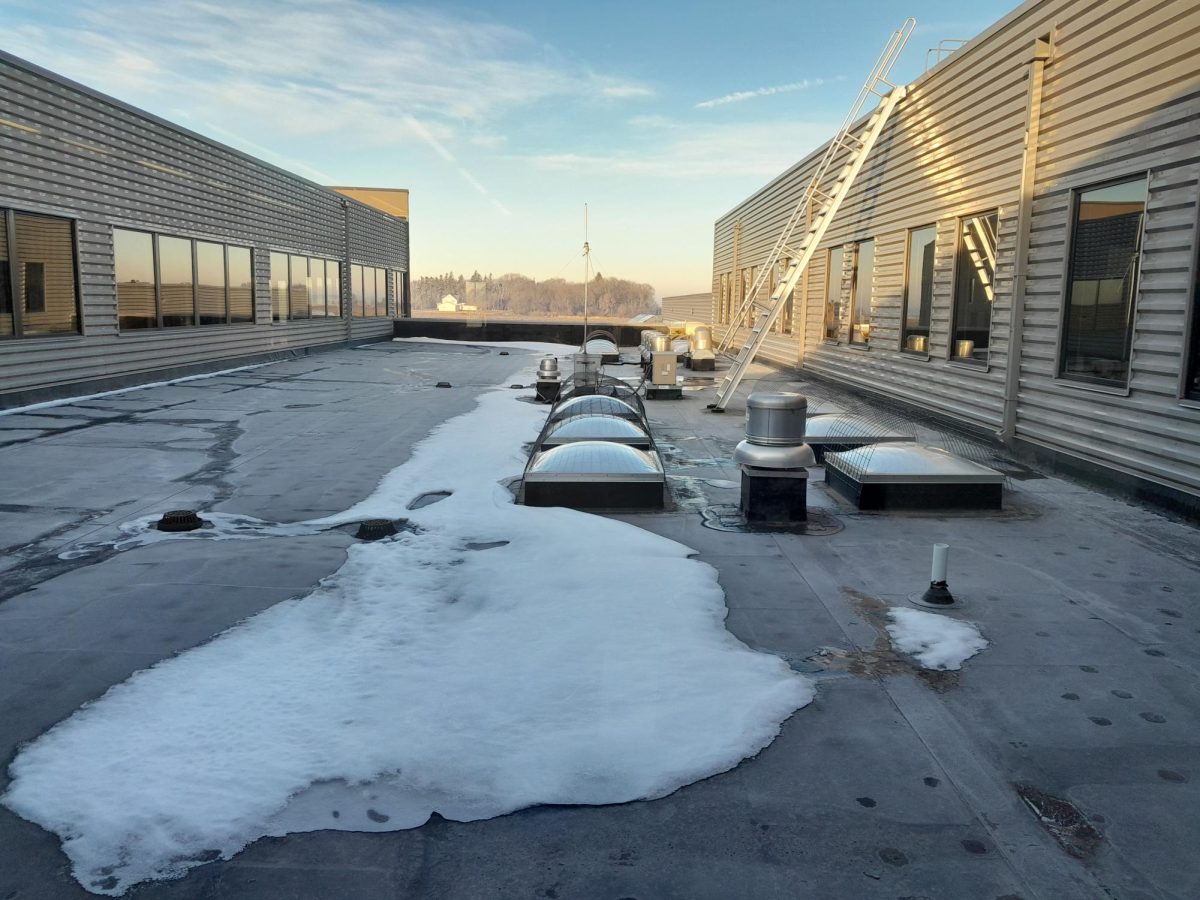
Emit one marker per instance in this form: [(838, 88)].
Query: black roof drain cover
[(375, 529), (179, 520)]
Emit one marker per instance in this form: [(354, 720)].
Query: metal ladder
[(824, 203)]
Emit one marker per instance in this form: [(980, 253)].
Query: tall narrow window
[(241, 285), (210, 282), (299, 288), (333, 287), (45, 265), (356, 290), (918, 289), (974, 293), (7, 326), (748, 276), (175, 282), (1106, 243), (280, 310), (833, 293), (134, 255), (1191, 384), (783, 324), (316, 287), (864, 274)]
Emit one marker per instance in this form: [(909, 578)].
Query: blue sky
[(504, 118)]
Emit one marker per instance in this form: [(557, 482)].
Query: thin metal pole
[(586, 265)]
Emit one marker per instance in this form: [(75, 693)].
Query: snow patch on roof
[(937, 642)]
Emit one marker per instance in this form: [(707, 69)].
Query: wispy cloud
[(761, 149), (741, 96), (622, 91), (361, 74)]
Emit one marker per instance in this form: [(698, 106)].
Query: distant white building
[(449, 303)]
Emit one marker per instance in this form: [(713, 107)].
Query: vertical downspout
[(1043, 50), (346, 299), (803, 299), (735, 287)]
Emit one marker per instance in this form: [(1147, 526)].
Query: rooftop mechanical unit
[(595, 475), (700, 356), (908, 476)]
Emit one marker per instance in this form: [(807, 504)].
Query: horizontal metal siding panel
[(103, 164), (692, 309)]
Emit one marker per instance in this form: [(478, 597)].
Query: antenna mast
[(586, 266)]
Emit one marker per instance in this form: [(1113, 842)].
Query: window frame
[(978, 364), (830, 304), (1190, 360), (17, 297), (854, 283), (904, 299), (1083, 381)]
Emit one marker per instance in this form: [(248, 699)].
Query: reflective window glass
[(299, 283), (369, 295), (45, 267), (356, 290), (280, 309), (974, 292), (241, 284), (316, 287), (333, 287), (860, 312), (134, 255), (6, 307), (918, 288), (1191, 384), (833, 293), (1106, 242), (175, 281), (210, 282)]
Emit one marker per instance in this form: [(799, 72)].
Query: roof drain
[(180, 520), (375, 529)]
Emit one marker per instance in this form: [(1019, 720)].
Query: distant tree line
[(522, 295)]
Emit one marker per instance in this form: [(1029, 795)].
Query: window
[(783, 323), (1191, 384), (37, 265), (368, 291), (974, 277), (134, 254), (298, 298), (918, 289), (241, 284), (1106, 241), (210, 283), (316, 287), (280, 310), (176, 294), (864, 274), (333, 287), (747, 309), (173, 282), (833, 293)]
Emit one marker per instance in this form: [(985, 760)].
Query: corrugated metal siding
[(688, 307), (104, 164), (1121, 96)]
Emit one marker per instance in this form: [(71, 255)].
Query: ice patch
[(937, 642), (419, 677)]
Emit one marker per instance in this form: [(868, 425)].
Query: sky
[(504, 119)]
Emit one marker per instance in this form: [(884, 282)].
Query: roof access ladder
[(814, 212)]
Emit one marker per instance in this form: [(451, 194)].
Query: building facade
[(1019, 251), (688, 308), (132, 249)]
